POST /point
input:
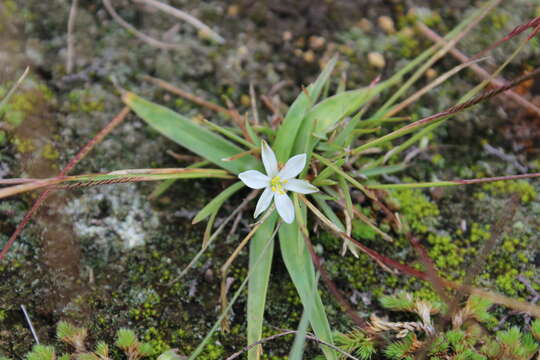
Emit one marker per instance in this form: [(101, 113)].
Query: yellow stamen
[(276, 185)]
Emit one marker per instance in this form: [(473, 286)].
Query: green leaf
[(102, 349), (289, 129), (326, 114), (125, 338), (146, 349), (328, 211), (170, 355), (195, 138), (300, 268), (326, 173), (401, 301), (41, 352), (214, 205), (347, 177), (297, 350), (194, 355), (535, 329), (165, 185), (65, 330), (260, 263)]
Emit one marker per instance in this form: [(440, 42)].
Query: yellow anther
[(276, 185)]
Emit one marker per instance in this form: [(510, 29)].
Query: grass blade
[(289, 129), (216, 325), (258, 285), (345, 175), (302, 272), (191, 136), (452, 182), (214, 205)]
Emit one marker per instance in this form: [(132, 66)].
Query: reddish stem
[(80, 155)]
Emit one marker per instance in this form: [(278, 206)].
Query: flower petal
[(293, 167), (285, 207), (264, 202), (300, 186), (269, 160), (254, 179)]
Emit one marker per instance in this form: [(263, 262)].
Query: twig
[(254, 104), (534, 23), (206, 30), (147, 39), (436, 281), (183, 157), (439, 80), (70, 37), (450, 111), (483, 74), (285, 333), (80, 155), (29, 322), (197, 100), (14, 88)]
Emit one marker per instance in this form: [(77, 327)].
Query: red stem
[(80, 155)]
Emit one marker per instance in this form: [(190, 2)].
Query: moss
[(155, 338), (49, 152), (24, 146), (507, 283), (419, 213), (524, 189), (446, 252), (10, 7), (499, 19), (409, 43), (362, 231), (84, 101)]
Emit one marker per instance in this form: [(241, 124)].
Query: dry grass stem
[(70, 36), (130, 28), (203, 28), (483, 74)]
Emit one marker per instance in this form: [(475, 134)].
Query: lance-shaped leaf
[(214, 205), (195, 138), (260, 263), (302, 272), (283, 145)]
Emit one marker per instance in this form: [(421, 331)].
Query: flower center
[(276, 184)]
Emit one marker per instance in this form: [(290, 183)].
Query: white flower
[(277, 182)]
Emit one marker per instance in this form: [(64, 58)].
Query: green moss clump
[(84, 101), (24, 146), (49, 152), (446, 252), (525, 190), (416, 210)]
